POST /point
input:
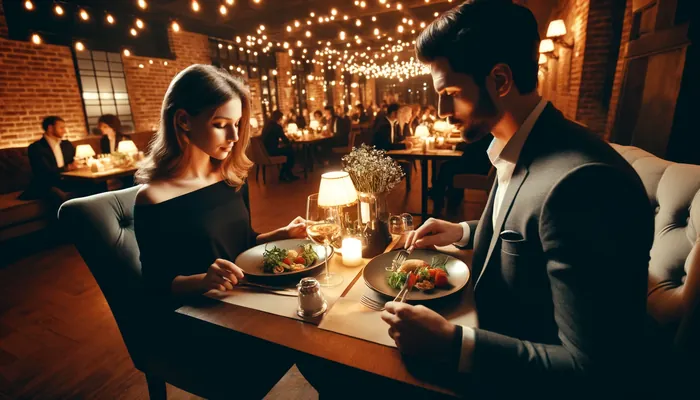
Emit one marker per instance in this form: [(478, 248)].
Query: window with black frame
[(300, 70), (249, 64), (329, 77)]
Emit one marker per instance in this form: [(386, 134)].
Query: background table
[(307, 338), (424, 158), (85, 175), (306, 142)]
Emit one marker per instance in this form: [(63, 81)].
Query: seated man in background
[(341, 130), (386, 135), (49, 156)]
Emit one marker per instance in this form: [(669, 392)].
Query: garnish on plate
[(429, 276), (278, 261)]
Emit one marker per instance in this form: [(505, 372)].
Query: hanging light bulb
[(29, 5), (230, 2), (195, 6), (334, 12), (134, 32), (308, 34), (175, 26), (358, 23), (36, 39), (110, 19), (127, 53), (143, 4), (223, 10), (58, 9), (139, 23), (84, 15), (79, 46)]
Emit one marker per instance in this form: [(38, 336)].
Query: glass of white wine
[(323, 227)]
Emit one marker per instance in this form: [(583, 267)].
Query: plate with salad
[(283, 258), (436, 275)]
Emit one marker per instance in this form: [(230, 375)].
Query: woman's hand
[(296, 229), (221, 275)]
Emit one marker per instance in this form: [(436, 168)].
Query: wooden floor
[(58, 339)]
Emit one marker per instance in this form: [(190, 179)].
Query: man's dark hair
[(50, 121), (330, 109), (276, 116), (478, 34), (392, 108), (318, 113)]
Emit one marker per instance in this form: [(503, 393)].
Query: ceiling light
[(133, 32), (195, 6), (36, 39), (127, 53), (143, 4), (358, 23), (84, 15), (110, 19), (79, 46), (58, 9), (175, 26), (223, 10), (29, 5), (139, 23)]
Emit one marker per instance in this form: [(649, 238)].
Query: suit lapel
[(484, 231), (47, 148), (516, 181)]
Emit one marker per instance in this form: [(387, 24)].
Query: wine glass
[(323, 227)]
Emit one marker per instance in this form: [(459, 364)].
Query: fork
[(371, 303), (399, 258)]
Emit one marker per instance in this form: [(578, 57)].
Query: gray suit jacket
[(561, 287)]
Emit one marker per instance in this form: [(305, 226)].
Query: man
[(329, 117), (562, 248), (386, 134), (49, 156), (342, 127)]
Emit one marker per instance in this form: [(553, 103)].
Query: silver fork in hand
[(399, 258)]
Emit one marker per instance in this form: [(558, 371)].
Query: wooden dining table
[(86, 175), (425, 157), (306, 142), (328, 346)]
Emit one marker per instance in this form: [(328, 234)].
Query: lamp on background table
[(127, 147), (83, 153)]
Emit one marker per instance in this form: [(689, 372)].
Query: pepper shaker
[(311, 301)]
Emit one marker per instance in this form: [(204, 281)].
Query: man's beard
[(481, 118)]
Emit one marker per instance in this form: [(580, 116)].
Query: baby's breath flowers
[(371, 170)]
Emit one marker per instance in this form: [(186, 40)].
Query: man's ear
[(502, 76), (182, 120)]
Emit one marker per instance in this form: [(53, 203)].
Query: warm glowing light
[(79, 46), (230, 2), (134, 32), (262, 27), (29, 5), (58, 10), (422, 24), (542, 60), (546, 46), (399, 28), (150, 62), (36, 39), (296, 24), (165, 63), (286, 45), (110, 19), (84, 15), (308, 33), (127, 53), (223, 10), (399, 6), (175, 26), (556, 28), (139, 23), (299, 44), (143, 4), (289, 28), (436, 14), (358, 23), (334, 11), (195, 6), (376, 31)]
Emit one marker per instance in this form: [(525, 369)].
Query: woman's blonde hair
[(197, 88)]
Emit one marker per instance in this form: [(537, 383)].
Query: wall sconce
[(556, 31), (547, 49)]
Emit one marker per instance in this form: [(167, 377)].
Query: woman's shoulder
[(158, 192), (149, 193)]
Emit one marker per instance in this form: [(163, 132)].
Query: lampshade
[(422, 131), (441, 126), (546, 46), (556, 28), (292, 128), (253, 122), (542, 60), (336, 189), (127, 147), (84, 151), (313, 124)]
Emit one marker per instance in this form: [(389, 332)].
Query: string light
[(195, 6), (127, 53), (165, 63), (229, 2), (36, 39), (29, 5), (84, 15), (79, 46), (358, 23), (110, 19), (133, 32), (223, 10), (150, 61), (143, 4), (58, 9), (139, 23), (175, 26)]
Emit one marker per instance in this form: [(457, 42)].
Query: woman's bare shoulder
[(153, 193)]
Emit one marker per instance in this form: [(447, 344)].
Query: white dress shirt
[(55, 144), (391, 124), (504, 157)]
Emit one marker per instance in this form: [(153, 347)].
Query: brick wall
[(284, 86), (370, 91), (147, 83), (619, 70), (314, 90), (339, 88), (36, 81)]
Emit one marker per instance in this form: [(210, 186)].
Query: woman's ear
[(182, 120), (503, 78)]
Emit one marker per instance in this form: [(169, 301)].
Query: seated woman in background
[(277, 144), (192, 219), (111, 129), (404, 121)]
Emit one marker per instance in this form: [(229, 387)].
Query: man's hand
[(419, 331), (434, 232)]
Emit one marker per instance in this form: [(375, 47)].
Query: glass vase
[(374, 217)]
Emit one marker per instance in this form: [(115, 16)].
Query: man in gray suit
[(562, 248)]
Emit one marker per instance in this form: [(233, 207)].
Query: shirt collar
[(52, 141), (509, 151)]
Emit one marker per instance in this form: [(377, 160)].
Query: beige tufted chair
[(674, 268)]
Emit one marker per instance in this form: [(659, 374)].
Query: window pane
[(99, 55), (85, 65), (89, 84), (102, 73), (109, 109), (82, 55), (123, 110), (101, 66), (107, 97), (116, 67), (121, 96), (104, 84), (119, 84), (115, 57), (93, 110)]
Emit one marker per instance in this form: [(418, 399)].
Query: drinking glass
[(323, 227), (399, 224)]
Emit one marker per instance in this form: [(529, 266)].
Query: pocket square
[(511, 236)]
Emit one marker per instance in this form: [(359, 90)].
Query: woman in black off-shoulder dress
[(192, 219)]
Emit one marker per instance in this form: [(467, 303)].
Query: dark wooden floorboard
[(59, 340)]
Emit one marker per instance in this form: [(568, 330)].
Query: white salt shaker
[(311, 301)]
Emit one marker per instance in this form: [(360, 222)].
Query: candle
[(440, 141), (352, 252)]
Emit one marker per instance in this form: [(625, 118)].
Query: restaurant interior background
[(625, 69)]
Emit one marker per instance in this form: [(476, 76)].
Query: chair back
[(101, 227), (257, 152)]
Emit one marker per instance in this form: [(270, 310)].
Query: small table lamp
[(83, 152), (314, 125), (253, 122), (127, 147), (337, 190), (422, 131), (292, 128)]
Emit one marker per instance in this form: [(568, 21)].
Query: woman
[(192, 219), (404, 120), (277, 144), (111, 129)]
